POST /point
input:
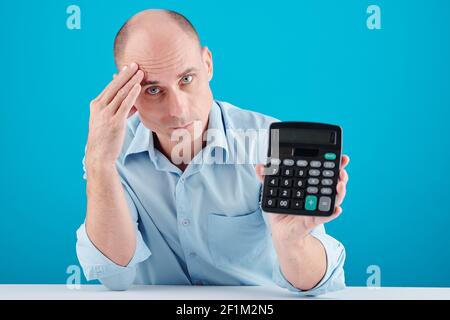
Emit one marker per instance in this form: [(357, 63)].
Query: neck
[(180, 151)]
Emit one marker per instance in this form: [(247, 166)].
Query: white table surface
[(98, 292)]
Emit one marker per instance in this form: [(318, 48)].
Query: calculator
[(302, 170)]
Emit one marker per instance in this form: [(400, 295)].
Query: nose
[(178, 105)]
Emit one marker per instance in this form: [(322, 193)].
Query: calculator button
[(313, 181), (300, 183), (314, 172), (327, 182), (311, 203), (298, 194), (287, 171), (297, 204), (275, 161), (271, 203), (329, 165), (302, 163), (330, 156), (283, 203), (326, 191), (315, 164), (272, 171), (288, 162), (273, 182), (285, 193), (312, 190), (300, 172), (324, 204), (286, 183), (272, 192), (328, 173)]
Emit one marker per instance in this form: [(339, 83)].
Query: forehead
[(162, 57)]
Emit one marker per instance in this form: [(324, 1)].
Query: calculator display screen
[(307, 136)]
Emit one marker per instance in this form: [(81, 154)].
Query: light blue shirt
[(203, 226)]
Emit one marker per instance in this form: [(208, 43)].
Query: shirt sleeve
[(334, 278), (97, 266)]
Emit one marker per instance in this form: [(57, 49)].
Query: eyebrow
[(154, 82)]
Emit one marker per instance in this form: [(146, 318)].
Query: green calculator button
[(311, 203), (330, 156)]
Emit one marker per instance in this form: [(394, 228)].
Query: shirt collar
[(216, 135), (141, 137), (142, 140)]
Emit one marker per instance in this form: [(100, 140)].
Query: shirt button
[(185, 222)]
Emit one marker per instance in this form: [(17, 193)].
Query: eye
[(187, 79), (153, 90)]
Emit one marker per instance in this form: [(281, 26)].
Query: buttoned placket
[(185, 220)]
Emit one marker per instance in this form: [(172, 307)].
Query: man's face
[(175, 90)]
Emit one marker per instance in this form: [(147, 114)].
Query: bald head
[(175, 89), (154, 23)]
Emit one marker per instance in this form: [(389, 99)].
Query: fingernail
[(133, 65), (124, 68)]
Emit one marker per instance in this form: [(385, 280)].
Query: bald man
[(167, 201)]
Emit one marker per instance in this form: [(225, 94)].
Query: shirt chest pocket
[(236, 240)]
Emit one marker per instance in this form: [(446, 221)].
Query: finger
[(114, 86), (260, 172), (343, 176), (123, 93), (337, 212), (341, 191), (344, 161), (129, 101)]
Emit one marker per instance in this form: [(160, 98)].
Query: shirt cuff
[(97, 266), (334, 278)]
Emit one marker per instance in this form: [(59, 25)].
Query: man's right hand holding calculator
[(302, 257)]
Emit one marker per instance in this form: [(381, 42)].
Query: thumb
[(260, 172)]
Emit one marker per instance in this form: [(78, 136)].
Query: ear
[(208, 62)]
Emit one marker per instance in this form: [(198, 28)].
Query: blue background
[(295, 60)]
